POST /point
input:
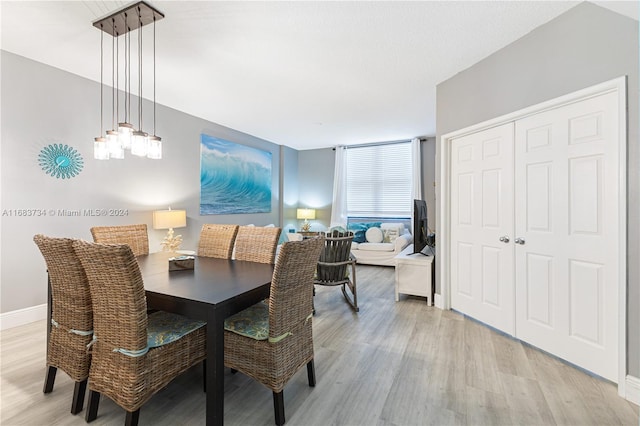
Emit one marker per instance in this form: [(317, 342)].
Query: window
[(379, 180)]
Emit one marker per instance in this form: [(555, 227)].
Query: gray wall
[(42, 105), (289, 182), (428, 151), (585, 46), (315, 180)]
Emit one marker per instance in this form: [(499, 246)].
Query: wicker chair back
[(257, 243), (216, 240), (135, 236), (71, 314)]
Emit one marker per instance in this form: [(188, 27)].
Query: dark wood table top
[(229, 278)]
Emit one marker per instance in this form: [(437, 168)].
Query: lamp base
[(171, 243), (306, 226)]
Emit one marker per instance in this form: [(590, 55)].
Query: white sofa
[(395, 239)]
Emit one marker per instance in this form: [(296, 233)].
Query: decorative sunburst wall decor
[(60, 161)]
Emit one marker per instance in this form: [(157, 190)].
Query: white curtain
[(339, 205), (416, 175)]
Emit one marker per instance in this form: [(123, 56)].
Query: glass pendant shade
[(115, 147), (154, 147), (139, 143), (124, 134), (100, 148)]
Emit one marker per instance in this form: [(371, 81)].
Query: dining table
[(212, 291)]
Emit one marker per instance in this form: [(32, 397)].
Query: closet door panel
[(482, 213), (566, 203)]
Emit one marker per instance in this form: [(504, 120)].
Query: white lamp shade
[(167, 219), (306, 214), (124, 134), (154, 148), (139, 144), (100, 149), (115, 147)]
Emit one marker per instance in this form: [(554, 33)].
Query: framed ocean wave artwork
[(234, 178)]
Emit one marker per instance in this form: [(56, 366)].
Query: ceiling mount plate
[(128, 19)]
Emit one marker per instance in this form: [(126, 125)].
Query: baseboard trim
[(23, 316), (438, 301), (632, 389)]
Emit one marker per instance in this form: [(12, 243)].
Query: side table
[(413, 274)]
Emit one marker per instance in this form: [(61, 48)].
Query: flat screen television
[(420, 229)]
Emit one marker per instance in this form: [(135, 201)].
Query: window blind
[(379, 180)]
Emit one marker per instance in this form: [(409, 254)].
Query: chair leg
[(78, 396), (49, 379), (311, 373), (92, 406), (278, 407), (351, 301), (132, 418), (354, 291)]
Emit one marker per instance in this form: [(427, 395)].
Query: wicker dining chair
[(272, 340), (216, 240), (135, 236), (337, 266), (134, 355), (71, 325), (257, 243)]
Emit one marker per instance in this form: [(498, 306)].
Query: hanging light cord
[(154, 74), (101, 72), (129, 73), (140, 70), (126, 34), (113, 76), (117, 79)]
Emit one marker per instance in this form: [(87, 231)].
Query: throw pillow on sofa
[(374, 235), (359, 236), (390, 235)]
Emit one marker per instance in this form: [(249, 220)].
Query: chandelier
[(123, 136)]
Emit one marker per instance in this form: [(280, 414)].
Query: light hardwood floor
[(393, 363)]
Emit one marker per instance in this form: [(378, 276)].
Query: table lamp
[(306, 214), (169, 219)]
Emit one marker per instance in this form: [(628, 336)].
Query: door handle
[(504, 239), (519, 241)]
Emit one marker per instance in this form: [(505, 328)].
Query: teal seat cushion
[(166, 327), (252, 322)]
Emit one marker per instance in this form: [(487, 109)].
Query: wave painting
[(233, 178)]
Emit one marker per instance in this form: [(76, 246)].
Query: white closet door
[(566, 204), (482, 223)]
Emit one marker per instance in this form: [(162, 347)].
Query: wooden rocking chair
[(333, 266)]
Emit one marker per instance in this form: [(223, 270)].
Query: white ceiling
[(302, 74)]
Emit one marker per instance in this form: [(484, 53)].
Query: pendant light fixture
[(124, 136), (113, 141), (155, 142), (125, 129), (100, 148), (139, 139)]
